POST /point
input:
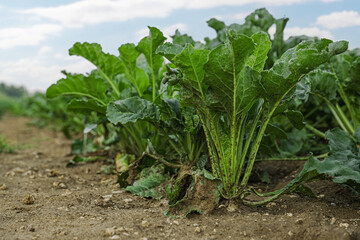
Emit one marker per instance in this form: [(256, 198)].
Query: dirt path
[(45, 200)]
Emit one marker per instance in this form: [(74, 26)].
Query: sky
[(35, 35)]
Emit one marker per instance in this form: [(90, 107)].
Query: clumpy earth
[(41, 198)]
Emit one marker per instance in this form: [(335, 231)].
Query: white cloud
[(22, 36), (308, 31), (87, 12), (339, 20), (36, 73)]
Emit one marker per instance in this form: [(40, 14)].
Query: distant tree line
[(12, 91)]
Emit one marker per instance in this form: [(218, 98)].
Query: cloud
[(36, 73), (22, 36), (308, 31), (339, 20), (87, 12)]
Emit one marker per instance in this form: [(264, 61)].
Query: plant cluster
[(212, 108)]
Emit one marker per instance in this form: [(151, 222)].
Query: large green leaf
[(136, 76), (108, 65), (86, 106), (191, 62), (295, 63), (322, 83), (131, 110), (232, 83), (79, 86), (343, 162), (148, 46)]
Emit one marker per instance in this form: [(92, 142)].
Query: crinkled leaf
[(343, 162), (322, 83), (295, 63), (131, 110), (169, 50), (182, 39), (260, 18), (145, 187)]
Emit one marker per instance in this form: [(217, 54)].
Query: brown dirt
[(45, 200)]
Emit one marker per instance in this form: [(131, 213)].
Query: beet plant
[(236, 98)]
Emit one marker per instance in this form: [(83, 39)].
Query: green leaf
[(108, 65), (78, 85), (263, 44), (148, 46), (295, 63), (145, 187), (322, 83), (260, 18), (343, 162), (86, 106), (169, 50), (191, 62), (136, 76), (131, 110), (79, 159), (182, 39), (296, 118), (276, 131), (233, 84)]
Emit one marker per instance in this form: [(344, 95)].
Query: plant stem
[(315, 131), (304, 158), (160, 159)]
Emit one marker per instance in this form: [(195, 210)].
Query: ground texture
[(40, 198)]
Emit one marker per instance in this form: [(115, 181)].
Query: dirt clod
[(3, 186), (29, 199)]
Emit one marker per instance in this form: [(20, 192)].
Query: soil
[(41, 198)]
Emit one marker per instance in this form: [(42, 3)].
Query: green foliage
[(231, 93), (224, 100)]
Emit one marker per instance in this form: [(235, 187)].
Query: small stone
[(29, 199), (290, 233), (22, 228), (321, 196), (333, 204), (289, 214), (272, 204), (115, 237), (145, 224), (232, 208), (52, 173), (110, 231), (3, 186), (299, 221), (198, 230), (176, 222), (128, 200), (107, 197), (332, 221), (344, 225)]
